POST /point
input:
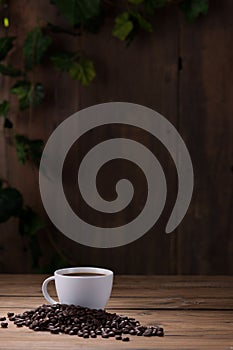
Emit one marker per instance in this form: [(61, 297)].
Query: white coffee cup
[(91, 290)]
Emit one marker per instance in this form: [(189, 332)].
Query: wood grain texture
[(140, 292), (184, 329), (197, 99), (206, 123)]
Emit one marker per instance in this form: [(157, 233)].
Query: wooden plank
[(157, 302), (129, 74), (206, 124), (150, 59), (183, 330), (144, 73), (184, 292)]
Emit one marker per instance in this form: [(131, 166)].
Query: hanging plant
[(131, 18)]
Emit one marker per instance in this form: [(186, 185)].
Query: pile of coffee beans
[(82, 322)]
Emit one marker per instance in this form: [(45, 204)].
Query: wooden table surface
[(196, 312)]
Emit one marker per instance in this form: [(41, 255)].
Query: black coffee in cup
[(83, 274), (84, 286)]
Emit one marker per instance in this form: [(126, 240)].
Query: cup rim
[(105, 272)]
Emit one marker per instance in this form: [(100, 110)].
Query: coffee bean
[(84, 322), (2, 318), (111, 334), (54, 331), (4, 324), (125, 339), (125, 331), (139, 333), (118, 337), (160, 333), (105, 335), (147, 333), (12, 318)]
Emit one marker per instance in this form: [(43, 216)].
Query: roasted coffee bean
[(125, 339), (147, 332), (105, 335), (125, 331), (10, 314), (118, 337), (12, 318), (160, 333), (111, 334), (54, 331), (139, 333), (84, 322), (4, 324), (2, 318)]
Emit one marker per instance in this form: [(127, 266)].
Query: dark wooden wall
[(184, 71)]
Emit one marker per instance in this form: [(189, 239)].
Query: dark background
[(183, 71)]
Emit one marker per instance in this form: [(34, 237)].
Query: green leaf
[(22, 148), (8, 123), (4, 108), (194, 8), (6, 45), (135, 2), (63, 60), (83, 71), (35, 151), (37, 94), (78, 11), (29, 222), (35, 46), (10, 70), (28, 149), (22, 89), (142, 22), (93, 24), (28, 95), (152, 5), (123, 26), (11, 202)]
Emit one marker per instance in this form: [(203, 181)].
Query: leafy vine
[(131, 17)]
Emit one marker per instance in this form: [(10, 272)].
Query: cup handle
[(45, 292)]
